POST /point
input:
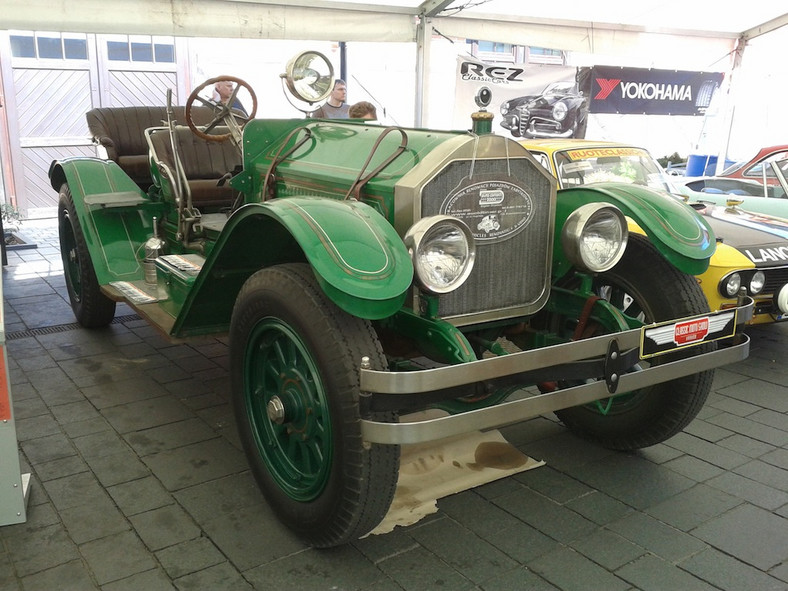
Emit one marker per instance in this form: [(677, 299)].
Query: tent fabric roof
[(574, 24), (723, 18)]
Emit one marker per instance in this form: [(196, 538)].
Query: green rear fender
[(359, 260), (115, 215), (682, 236)]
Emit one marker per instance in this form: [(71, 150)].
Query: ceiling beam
[(766, 27), (559, 23), (430, 8), (237, 19), (353, 6)]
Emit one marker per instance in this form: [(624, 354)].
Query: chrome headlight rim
[(578, 227), (560, 111), (423, 234), (730, 284), (757, 283)]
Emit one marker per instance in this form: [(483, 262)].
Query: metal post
[(343, 60), (14, 486), (423, 38)]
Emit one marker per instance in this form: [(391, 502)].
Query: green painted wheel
[(279, 373), (295, 360), (92, 308)]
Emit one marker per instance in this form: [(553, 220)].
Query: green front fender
[(115, 215), (682, 236), (358, 258)]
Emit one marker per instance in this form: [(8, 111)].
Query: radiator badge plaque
[(494, 209)]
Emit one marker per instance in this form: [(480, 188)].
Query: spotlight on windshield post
[(309, 77)]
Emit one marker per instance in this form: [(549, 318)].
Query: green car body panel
[(359, 259), (357, 255), (113, 234)]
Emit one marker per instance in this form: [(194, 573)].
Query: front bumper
[(537, 127), (618, 368)]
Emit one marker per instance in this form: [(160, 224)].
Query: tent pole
[(343, 60), (730, 104), (423, 38)]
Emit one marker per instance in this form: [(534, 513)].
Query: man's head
[(224, 89), (363, 110), (338, 93)]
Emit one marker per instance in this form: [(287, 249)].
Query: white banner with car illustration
[(533, 100)]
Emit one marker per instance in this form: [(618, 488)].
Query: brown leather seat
[(120, 131), (204, 164)]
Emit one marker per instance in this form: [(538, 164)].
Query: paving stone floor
[(139, 483)]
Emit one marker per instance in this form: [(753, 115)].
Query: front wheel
[(644, 285), (295, 362), (91, 307)]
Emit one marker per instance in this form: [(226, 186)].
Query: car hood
[(519, 101), (762, 239), (544, 101)]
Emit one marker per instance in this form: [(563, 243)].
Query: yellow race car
[(752, 249)]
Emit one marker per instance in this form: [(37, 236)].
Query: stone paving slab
[(139, 481)]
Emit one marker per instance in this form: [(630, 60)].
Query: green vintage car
[(366, 272)]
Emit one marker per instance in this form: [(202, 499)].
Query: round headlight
[(443, 252), (757, 282), (730, 285), (559, 111), (595, 237), (504, 108)]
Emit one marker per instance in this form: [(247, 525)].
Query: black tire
[(288, 340), (91, 307), (651, 415)]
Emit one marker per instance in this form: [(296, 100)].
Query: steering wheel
[(222, 113)]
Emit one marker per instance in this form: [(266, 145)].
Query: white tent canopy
[(677, 34), (572, 25)]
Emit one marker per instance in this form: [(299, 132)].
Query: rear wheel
[(644, 285), (91, 307), (295, 358)]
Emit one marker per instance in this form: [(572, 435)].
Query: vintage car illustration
[(560, 110), (365, 272), (752, 252)]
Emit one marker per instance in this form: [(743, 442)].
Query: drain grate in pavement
[(21, 334)]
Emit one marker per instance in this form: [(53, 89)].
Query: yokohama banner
[(644, 91)]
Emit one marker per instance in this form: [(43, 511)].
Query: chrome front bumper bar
[(506, 413)]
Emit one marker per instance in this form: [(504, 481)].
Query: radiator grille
[(775, 279), (512, 271)]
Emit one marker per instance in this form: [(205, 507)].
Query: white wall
[(258, 62), (381, 73), (760, 93)]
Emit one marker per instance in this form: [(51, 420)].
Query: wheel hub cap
[(276, 410)]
